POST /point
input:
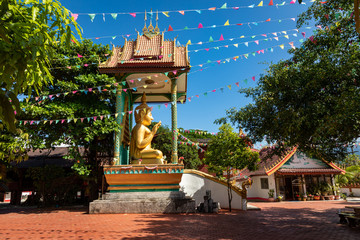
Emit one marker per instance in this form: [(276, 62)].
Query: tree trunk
[(229, 189)]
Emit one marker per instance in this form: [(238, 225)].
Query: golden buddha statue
[(141, 137)]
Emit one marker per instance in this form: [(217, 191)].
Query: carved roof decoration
[(148, 50)]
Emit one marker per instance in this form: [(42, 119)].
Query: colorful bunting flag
[(260, 4), (133, 14), (92, 17), (227, 23), (114, 15), (224, 6), (170, 28)]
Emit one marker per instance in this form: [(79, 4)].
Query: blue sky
[(201, 112)]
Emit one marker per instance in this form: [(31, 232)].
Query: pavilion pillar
[(118, 110), (174, 143)]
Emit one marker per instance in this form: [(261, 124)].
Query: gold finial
[(145, 28), (151, 28), (143, 98), (157, 30)]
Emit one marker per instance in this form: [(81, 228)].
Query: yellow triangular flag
[(229, 86), (287, 36), (45, 121), (227, 23), (189, 42), (284, 32), (75, 119), (149, 77), (182, 101), (116, 115), (282, 46), (260, 4), (145, 86), (166, 14), (242, 36)]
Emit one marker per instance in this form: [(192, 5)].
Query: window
[(264, 183)]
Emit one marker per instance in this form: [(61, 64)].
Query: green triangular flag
[(56, 121), (205, 94), (253, 54), (208, 61), (245, 81), (123, 83), (166, 73), (211, 39), (92, 16), (301, 40), (224, 6), (217, 48), (113, 37), (253, 36), (114, 15), (186, 28), (88, 119)]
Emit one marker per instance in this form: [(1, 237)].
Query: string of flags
[(200, 132), (200, 43), (200, 26), (188, 142), (166, 13), (246, 43)]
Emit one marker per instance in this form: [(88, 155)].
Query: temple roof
[(145, 52), (292, 162)]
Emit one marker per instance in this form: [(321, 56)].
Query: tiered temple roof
[(145, 52)]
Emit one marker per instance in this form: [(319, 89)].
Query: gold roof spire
[(157, 30), (151, 28), (145, 30)]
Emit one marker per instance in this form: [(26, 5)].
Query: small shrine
[(149, 69)]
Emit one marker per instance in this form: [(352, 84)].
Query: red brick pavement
[(285, 220)]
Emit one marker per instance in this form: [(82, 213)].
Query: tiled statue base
[(143, 202)]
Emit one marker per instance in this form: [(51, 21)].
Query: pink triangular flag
[(221, 38), (218, 61), (292, 1), (174, 72), (207, 49), (237, 84), (303, 33), (94, 118), (82, 119), (253, 78), (62, 121), (133, 14), (90, 89), (130, 112), (79, 56), (257, 42), (166, 104), (75, 16), (200, 25), (124, 89), (214, 90), (101, 117)]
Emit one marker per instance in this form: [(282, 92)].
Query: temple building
[(149, 64), (292, 174)]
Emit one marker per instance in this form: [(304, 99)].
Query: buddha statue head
[(143, 112)]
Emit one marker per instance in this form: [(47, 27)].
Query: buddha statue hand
[(155, 128)]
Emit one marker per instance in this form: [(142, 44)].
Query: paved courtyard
[(285, 220)]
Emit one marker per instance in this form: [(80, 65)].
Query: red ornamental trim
[(278, 165), (336, 167)]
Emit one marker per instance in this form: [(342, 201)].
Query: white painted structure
[(255, 191), (354, 191), (195, 185)]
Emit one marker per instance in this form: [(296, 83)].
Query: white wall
[(195, 186), (355, 191), (255, 190)]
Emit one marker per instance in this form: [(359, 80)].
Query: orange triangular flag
[(170, 29), (271, 3)]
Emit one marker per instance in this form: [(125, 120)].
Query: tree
[(77, 94), (312, 99), (162, 141), (29, 30), (227, 151)]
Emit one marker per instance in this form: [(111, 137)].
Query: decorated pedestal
[(134, 178), (143, 189)]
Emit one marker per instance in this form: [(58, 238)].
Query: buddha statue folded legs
[(141, 137)]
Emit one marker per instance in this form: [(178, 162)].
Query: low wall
[(351, 189), (195, 183)]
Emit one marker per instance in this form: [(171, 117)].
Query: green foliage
[(12, 145), (351, 160), (29, 30), (311, 100), (93, 136), (226, 151), (162, 141)]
